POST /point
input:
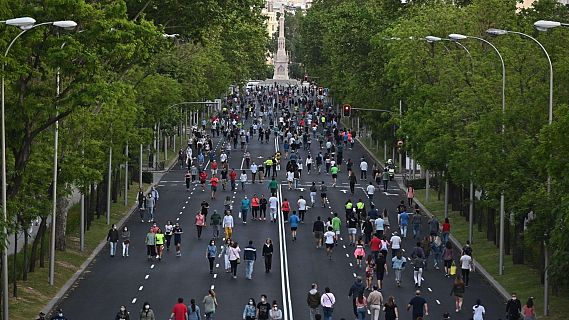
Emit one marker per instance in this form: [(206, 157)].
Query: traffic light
[(347, 110)]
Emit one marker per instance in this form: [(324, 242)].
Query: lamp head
[(496, 32), (431, 39), (65, 24), (22, 22), (457, 37), (545, 25)]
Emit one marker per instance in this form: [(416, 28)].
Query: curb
[(479, 268), (48, 308)]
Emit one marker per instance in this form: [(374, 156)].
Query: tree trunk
[(36, 243), (15, 264), (25, 252), (61, 223), (518, 249), (507, 235), (491, 225)]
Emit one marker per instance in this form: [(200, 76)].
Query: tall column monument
[(281, 59)]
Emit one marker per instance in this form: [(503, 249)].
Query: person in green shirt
[(334, 171), (273, 186), (360, 210), (159, 244), (268, 166), (215, 223), (336, 224), (349, 206)]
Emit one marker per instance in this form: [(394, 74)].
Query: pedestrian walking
[(113, 238), (263, 308), (370, 190), (275, 313), (146, 313), (250, 311), (419, 305), (123, 314), (285, 209), (125, 239), (395, 241), (193, 311), (390, 309), (513, 308), (313, 190), (381, 268), (445, 231), (203, 178), (268, 254), (150, 206), (160, 239), (263, 208), (361, 306), (245, 206), (437, 251), (417, 221), (478, 311), (253, 169), (301, 203), (233, 179), (243, 179), (323, 194), (403, 220), (168, 233), (273, 205), (141, 203), (228, 224), (179, 311), (214, 181), (385, 179), (465, 267), (200, 223), (327, 300), (293, 220), (375, 303), (255, 206), (356, 290), (150, 242), (457, 290), (398, 264), (215, 223), (250, 256), (210, 305), (329, 237), (363, 169), (210, 254), (225, 254), (528, 310), (447, 258), (234, 258), (313, 301), (178, 239), (352, 181), (273, 186), (318, 231), (410, 194)]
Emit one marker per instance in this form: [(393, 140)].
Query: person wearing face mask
[(263, 308), (125, 237), (146, 313), (113, 238), (122, 314), (59, 315), (513, 308), (210, 254), (250, 312), (275, 313)]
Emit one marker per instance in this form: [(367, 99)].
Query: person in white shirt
[(478, 311), (228, 225), (395, 244), (465, 266), (273, 205), (379, 225), (243, 179), (370, 190), (363, 169), (329, 238), (327, 300), (308, 163), (223, 157), (301, 208), (290, 179), (253, 168)]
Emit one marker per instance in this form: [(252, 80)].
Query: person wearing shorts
[(293, 220), (318, 230), (329, 238), (323, 195)]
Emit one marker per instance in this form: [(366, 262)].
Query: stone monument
[(281, 58)]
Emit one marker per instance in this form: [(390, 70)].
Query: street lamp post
[(458, 37), (25, 24)]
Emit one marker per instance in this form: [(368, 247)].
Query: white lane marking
[(287, 304), (177, 219), (183, 207), (351, 265), (146, 277), (215, 275), (186, 202), (191, 193), (402, 249), (438, 302), (355, 276), (152, 267), (344, 246), (430, 290), (217, 265), (140, 288), (212, 287), (181, 212), (422, 279), (341, 239), (347, 255), (133, 301)]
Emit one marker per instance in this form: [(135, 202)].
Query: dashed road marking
[(152, 267), (430, 290), (351, 265), (355, 275), (347, 255), (217, 265), (183, 207), (344, 246), (215, 275), (177, 219), (133, 301), (438, 302), (140, 288), (146, 277), (212, 287)]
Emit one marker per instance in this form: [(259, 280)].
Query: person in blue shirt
[(293, 220), (403, 223), (245, 205)]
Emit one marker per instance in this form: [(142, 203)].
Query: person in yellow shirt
[(159, 244)]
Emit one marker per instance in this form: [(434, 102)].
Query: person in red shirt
[(180, 311), (255, 205), (213, 167), (445, 230), (213, 181), (375, 245), (203, 177), (285, 208), (232, 178)]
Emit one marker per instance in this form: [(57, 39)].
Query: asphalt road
[(111, 282)]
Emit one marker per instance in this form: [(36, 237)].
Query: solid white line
[(282, 250), (134, 301), (140, 288)]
